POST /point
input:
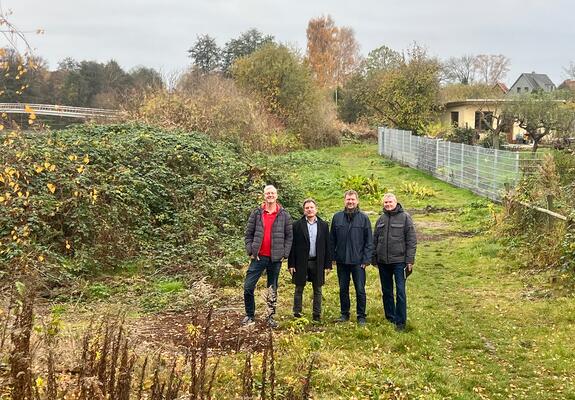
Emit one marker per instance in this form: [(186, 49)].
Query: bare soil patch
[(226, 334), (442, 234)]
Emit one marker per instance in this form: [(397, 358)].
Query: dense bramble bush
[(97, 198), (540, 240)]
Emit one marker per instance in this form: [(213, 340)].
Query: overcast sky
[(537, 35)]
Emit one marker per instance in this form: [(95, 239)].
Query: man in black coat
[(351, 240), (309, 257)]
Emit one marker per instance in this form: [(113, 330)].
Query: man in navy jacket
[(352, 243)]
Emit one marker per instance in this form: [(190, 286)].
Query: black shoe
[(316, 318), (296, 315), (361, 321), (400, 327), (342, 318)]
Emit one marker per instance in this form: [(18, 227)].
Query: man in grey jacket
[(395, 245), (268, 240)]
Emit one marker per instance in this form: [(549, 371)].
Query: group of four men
[(310, 248)]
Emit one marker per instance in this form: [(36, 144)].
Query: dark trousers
[(344, 271), (298, 293), (395, 309), (255, 271)]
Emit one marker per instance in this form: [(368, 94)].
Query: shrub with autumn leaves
[(97, 198)]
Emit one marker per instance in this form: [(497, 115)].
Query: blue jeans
[(395, 311), (343, 276), (255, 271)]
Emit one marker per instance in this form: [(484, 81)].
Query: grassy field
[(476, 329)]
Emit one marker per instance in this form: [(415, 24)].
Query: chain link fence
[(486, 172)]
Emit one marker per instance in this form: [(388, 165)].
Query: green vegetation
[(539, 240), (284, 84), (395, 92), (93, 200), (478, 328)]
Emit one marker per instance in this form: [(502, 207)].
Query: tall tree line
[(73, 83)]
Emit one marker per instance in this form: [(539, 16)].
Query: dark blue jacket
[(352, 241)]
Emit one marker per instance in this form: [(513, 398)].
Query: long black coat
[(299, 254)]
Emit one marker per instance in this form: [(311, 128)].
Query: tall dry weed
[(214, 105)]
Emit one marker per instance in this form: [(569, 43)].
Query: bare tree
[(491, 68), (570, 70), (460, 69), (332, 52), (347, 55)]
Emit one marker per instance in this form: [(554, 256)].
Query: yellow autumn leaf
[(28, 109), (38, 168), (86, 159), (39, 382), (41, 258), (51, 187), (80, 169), (30, 121), (2, 199), (68, 245), (1, 127), (52, 168), (46, 164), (72, 157)]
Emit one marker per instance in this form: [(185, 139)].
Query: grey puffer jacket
[(282, 234), (394, 238)]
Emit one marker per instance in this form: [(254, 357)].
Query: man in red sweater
[(268, 240)]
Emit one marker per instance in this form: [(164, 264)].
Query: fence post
[(380, 140), (448, 161), (477, 167), (495, 174), (549, 199), (436, 157), (402, 147), (517, 164), (462, 162)]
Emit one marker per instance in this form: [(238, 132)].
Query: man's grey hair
[(351, 193), (309, 200), (268, 187), (389, 196)]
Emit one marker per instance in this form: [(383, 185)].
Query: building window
[(455, 118), (526, 89), (483, 120), (518, 89)]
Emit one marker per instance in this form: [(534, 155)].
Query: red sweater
[(267, 220)]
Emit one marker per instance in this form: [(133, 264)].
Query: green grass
[(472, 333), (475, 329)]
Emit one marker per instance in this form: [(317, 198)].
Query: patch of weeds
[(478, 214), (315, 343), (99, 291), (298, 324), (417, 190), (169, 286), (173, 295), (489, 249)]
